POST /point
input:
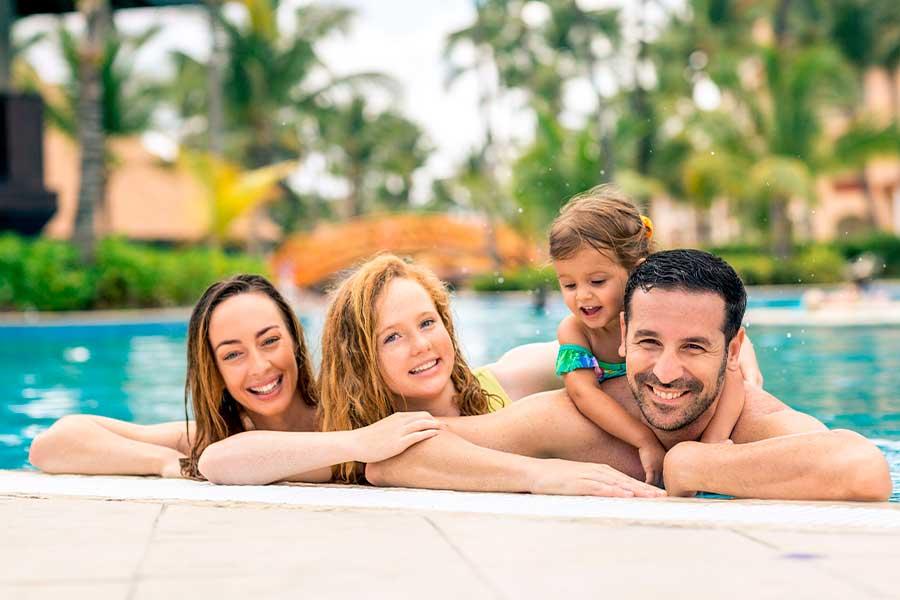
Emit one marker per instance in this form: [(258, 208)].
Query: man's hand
[(564, 477)]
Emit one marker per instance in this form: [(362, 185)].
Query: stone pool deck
[(142, 538)]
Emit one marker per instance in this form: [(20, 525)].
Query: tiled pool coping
[(881, 517)]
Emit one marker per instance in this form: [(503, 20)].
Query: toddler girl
[(595, 242)]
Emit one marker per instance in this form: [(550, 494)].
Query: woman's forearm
[(262, 457), (90, 445), (824, 465)]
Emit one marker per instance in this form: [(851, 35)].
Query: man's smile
[(665, 396)]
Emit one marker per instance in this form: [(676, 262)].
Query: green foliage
[(883, 245), (47, 275), (813, 264), (559, 164), (52, 277), (522, 279), (10, 268)]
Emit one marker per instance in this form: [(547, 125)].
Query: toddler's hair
[(607, 221)]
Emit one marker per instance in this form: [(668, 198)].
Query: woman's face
[(255, 354), (415, 353)]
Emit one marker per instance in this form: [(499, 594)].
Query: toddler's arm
[(605, 412), (749, 365), (731, 404)]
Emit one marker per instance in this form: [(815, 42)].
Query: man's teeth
[(424, 367), (266, 388), (666, 395)]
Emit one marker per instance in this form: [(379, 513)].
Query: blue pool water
[(846, 377)]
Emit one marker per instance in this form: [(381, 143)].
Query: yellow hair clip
[(648, 225)]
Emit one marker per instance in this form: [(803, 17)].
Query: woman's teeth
[(266, 389), (424, 367)]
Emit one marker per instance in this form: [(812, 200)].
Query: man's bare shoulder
[(765, 416)]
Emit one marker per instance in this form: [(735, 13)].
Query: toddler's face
[(593, 287)]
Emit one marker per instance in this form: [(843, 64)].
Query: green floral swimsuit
[(572, 357)]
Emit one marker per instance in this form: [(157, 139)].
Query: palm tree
[(572, 33), (232, 192), (860, 33), (371, 151), (101, 97), (127, 99), (271, 91), (89, 113), (487, 37)]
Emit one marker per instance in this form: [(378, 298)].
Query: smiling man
[(681, 331)]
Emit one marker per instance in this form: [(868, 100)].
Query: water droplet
[(788, 335), (78, 354)]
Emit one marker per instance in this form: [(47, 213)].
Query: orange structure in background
[(454, 247)]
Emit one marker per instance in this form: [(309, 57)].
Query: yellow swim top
[(498, 398)]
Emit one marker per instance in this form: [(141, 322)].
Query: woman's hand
[(171, 466), (392, 435), (565, 477)]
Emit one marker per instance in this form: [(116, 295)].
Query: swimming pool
[(846, 377)]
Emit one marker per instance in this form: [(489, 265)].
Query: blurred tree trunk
[(215, 118), (91, 139), (780, 228), (704, 226), (6, 18)]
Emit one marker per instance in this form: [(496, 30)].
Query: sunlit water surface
[(847, 377)]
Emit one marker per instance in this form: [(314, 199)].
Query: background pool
[(846, 377)]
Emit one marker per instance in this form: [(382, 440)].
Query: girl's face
[(254, 352), (593, 287), (415, 353)]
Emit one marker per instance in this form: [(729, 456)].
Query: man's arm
[(781, 454), (449, 462)]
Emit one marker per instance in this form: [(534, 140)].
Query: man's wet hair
[(691, 271)]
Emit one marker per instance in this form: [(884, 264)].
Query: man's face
[(675, 354)]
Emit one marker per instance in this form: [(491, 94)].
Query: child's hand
[(652, 454), (749, 365)]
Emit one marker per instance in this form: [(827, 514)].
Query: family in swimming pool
[(396, 403)]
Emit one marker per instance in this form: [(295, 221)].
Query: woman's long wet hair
[(216, 412), (353, 391)]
